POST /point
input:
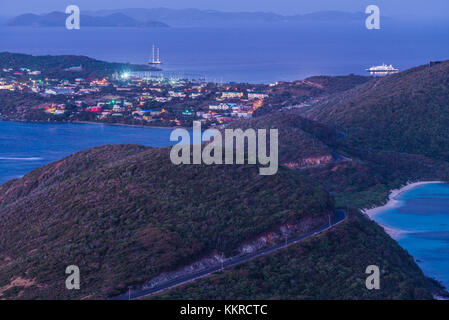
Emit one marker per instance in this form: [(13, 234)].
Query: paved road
[(339, 158), (340, 216)]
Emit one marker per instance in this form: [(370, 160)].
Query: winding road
[(340, 216)]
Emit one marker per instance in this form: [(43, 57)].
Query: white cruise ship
[(382, 70)]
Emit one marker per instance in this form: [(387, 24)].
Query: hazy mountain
[(196, 17), (3, 19), (57, 19), (161, 17)]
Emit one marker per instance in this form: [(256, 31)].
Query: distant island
[(214, 18), (164, 17), (57, 19)]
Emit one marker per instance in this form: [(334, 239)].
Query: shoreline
[(392, 203), (127, 125), (98, 123)]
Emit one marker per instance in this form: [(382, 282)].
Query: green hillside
[(302, 142), (53, 66), (125, 213), (405, 112), (330, 266)]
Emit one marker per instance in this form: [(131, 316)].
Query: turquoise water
[(26, 146), (424, 214)]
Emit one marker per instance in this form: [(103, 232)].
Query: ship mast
[(153, 61)]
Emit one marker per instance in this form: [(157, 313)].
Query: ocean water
[(258, 54), (26, 146), (423, 215)]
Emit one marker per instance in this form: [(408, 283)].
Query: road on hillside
[(340, 216)]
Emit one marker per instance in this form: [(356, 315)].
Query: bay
[(26, 146), (421, 219)]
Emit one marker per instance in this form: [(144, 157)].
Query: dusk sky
[(393, 8)]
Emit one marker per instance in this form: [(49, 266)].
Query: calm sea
[(252, 54), (423, 215), (26, 146)]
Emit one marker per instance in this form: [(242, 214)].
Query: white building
[(221, 106), (177, 94), (257, 95), (59, 91), (232, 95)]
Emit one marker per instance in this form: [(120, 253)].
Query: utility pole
[(222, 258), (285, 239), (329, 220), (129, 293)]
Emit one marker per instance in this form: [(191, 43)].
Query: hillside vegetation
[(124, 214), (330, 266), (405, 112), (297, 92), (53, 66), (302, 142)]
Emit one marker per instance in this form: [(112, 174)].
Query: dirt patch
[(18, 282)]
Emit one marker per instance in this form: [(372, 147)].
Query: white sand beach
[(394, 203)]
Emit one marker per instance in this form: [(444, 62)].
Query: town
[(82, 89), (130, 98)]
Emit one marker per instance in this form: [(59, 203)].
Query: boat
[(155, 60), (382, 70)]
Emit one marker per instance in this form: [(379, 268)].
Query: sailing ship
[(155, 60)]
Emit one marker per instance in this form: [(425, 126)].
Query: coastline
[(98, 123), (392, 203), (128, 125)]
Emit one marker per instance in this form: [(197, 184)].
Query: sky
[(392, 8)]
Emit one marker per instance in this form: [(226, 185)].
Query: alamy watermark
[(73, 280), (373, 280), (233, 150), (73, 21), (373, 21)]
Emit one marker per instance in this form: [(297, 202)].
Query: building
[(257, 95), (59, 91), (177, 94), (74, 69), (117, 108), (221, 106), (187, 113), (232, 95)]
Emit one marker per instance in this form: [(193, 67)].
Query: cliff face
[(310, 162)]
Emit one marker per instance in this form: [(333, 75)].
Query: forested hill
[(55, 66), (405, 112), (124, 214)]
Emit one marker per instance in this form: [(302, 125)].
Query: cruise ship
[(382, 70)]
